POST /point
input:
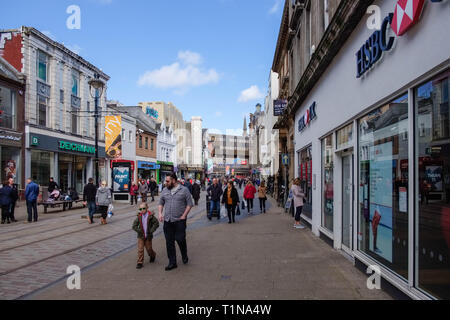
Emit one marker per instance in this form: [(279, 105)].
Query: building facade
[(167, 150), (12, 123), (59, 131), (371, 142)]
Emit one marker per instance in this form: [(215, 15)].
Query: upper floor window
[(75, 82), (140, 142), (130, 135), (151, 145), (41, 66), (7, 108), (146, 143)]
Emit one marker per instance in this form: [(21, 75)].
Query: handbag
[(243, 205), (238, 211)]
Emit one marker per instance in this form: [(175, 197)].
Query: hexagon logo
[(407, 13)]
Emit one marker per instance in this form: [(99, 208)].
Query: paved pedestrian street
[(260, 257)]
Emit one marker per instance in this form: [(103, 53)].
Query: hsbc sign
[(406, 14)]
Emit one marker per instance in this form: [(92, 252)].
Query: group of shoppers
[(8, 198), (97, 200), (142, 189)]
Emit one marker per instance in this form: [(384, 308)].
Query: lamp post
[(96, 90)]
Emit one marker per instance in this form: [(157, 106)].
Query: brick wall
[(143, 152)]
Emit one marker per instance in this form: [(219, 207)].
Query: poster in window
[(433, 176), (381, 189), (10, 169)]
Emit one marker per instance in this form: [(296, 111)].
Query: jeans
[(262, 204), (175, 231), (91, 208), (12, 207), (298, 213), (249, 204), (214, 205), (32, 211)]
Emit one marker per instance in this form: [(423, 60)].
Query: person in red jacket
[(249, 195), (134, 190)]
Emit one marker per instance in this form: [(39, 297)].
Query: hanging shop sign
[(113, 137), (279, 106), (307, 118)]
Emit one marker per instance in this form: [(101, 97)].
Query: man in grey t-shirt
[(176, 201)]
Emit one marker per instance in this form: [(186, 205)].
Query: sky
[(210, 58)]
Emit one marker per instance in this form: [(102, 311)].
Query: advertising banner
[(113, 137), (434, 177), (381, 190), (122, 179)]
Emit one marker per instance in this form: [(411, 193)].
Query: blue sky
[(209, 57)]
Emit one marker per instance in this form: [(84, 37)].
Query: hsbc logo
[(406, 14)]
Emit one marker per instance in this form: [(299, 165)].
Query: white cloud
[(190, 58), (180, 75), (252, 93), (275, 7)]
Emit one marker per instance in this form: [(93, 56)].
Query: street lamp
[(96, 86)]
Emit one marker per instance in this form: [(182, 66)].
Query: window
[(41, 66), (88, 119), (75, 82), (123, 135), (74, 120), (327, 183), (42, 104), (140, 142), (383, 185), (326, 20), (433, 194), (146, 143), (344, 137), (8, 108), (151, 145), (130, 135), (305, 175)]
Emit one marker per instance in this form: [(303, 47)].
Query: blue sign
[(122, 179), (148, 165), (285, 159), (278, 107), (152, 113)]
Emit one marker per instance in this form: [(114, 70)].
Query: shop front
[(165, 169), (11, 157), (147, 170), (69, 162), (381, 190)]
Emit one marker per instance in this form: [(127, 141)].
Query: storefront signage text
[(307, 118), (76, 147), (148, 165), (279, 106), (374, 47), (152, 113)]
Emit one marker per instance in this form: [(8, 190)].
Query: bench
[(66, 204)]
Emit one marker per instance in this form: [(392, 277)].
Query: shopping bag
[(238, 211), (243, 205), (223, 212), (110, 210)]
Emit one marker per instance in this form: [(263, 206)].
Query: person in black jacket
[(196, 192), (215, 192), (230, 199), (153, 186), (5, 201), (52, 185), (14, 198), (89, 194)]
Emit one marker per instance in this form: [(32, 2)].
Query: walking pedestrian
[(262, 195), (143, 190), (176, 201), (134, 190), (103, 200), (89, 199), (231, 200), (145, 225), (215, 192), (31, 195), (249, 195), (153, 186), (196, 192), (5, 202), (299, 196), (14, 198)]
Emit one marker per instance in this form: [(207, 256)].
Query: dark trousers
[(231, 212), (175, 231), (92, 207), (103, 210), (5, 213), (298, 213), (144, 197), (153, 195), (11, 211), (32, 211), (249, 204), (133, 198), (262, 204)]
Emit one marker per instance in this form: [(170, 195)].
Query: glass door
[(347, 201)]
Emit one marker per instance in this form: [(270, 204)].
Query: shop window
[(42, 64), (344, 137), (42, 105), (42, 166), (305, 175), (10, 162), (433, 197), (8, 108), (327, 183), (383, 185)]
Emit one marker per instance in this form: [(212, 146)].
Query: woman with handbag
[(103, 199), (230, 199), (262, 195)]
